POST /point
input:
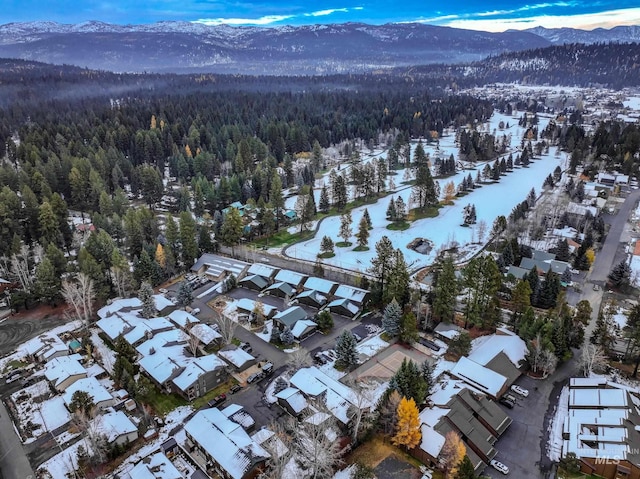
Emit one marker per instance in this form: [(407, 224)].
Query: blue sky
[(498, 15)]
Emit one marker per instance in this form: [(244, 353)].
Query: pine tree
[(231, 230), (620, 274), (145, 295), (391, 209), (381, 174), (465, 469), (324, 205), (408, 328), (400, 209), (47, 283), (286, 337), (391, 318), (408, 426), (445, 291), (367, 218), (346, 353), (363, 234), (188, 239), (427, 370), (399, 280), (409, 381), (185, 294), (326, 246), (345, 231), (381, 266), (562, 250)]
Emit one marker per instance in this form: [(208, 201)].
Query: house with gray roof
[(289, 317), (217, 268)]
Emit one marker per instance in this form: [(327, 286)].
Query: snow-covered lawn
[(491, 200), (265, 336), (63, 464), (371, 347), (37, 419)]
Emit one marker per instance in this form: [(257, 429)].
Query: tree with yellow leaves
[(160, 257), (153, 122), (408, 427), (452, 454), (449, 192), (591, 256)]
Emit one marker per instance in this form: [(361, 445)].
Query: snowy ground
[(554, 447), (62, 465), (490, 201), (107, 355), (370, 347)]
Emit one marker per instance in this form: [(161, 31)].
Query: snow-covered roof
[(302, 327), (216, 265), (290, 277), (205, 333), (283, 286), (163, 340), (321, 285), (263, 270), (195, 368), (112, 326), (145, 326), (338, 397), (59, 369), (155, 466), (478, 376), (159, 366), (118, 305), (432, 441), (294, 398), (236, 356), (180, 318), (247, 304), (596, 398), (356, 295), (52, 349), (448, 330), (485, 348), (237, 413), (581, 210), (344, 303), (92, 387), (161, 302), (289, 316), (276, 445), (113, 425), (225, 441)]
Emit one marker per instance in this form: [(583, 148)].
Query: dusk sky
[(473, 14)]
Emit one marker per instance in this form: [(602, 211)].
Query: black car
[(508, 401), (235, 388), (430, 344), (217, 400)]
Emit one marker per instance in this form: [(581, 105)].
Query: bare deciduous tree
[(593, 359), (548, 363), (227, 325), (315, 441), (300, 358), (193, 342), (89, 423), (360, 411), (80, 295), (280, 449), (21, 269)]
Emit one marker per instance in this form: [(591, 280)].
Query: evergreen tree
[(346, 353), (345, 231), (400, 209), (620, 274), (409, 381), (324, 205), (391, 318), (231, 230), (47, 283), (427, 369), (185, 294), (381, 175), (145, 295), (286, 337), (367, 218), (188, 239), (465, 469), (460, 345), (408, 328), (363, 234), (425, 191), (381, 266), (324, 320), (507, 255), (445, 291), (399, 280), (326, 246), (562, 250), (391, 209)]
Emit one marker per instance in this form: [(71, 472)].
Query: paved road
[(16, 330), (13, 462)]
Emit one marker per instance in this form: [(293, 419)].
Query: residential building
[(217, 268), (289, 317), (116, 427), (155, 466), (62, 372), (100, 396)]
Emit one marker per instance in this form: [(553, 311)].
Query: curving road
[(16, 330)]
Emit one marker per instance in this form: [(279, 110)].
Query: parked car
[(519, 390), (508, 400), (217, 400), (267, 368), (498, 466), (254, 377), (246, 347), (430, 344), (195, 311), (163, 290), (596, 287), (235, 388), (320, 358), (11, 377)]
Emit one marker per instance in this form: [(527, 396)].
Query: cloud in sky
[(584, 21), (264, 20)]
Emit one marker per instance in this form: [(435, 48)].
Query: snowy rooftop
[(216, 265), (90, 386), (247, 304), (344, 303), (118, 305), (163, 340), (356, 295), (156, 466), (159, 366), (276, 445), (597, 398), (323, 286), (294, 398), (205, 333), (291, 277), (432, 441), (59, 369), (236, 356), (302, 327), (263, 270), (196, 368), (161, 302), (478, 376), (485, 348), (225, 441), (237, 413), (114, 424), (448, 330), (39, 344), (146, 326), (180, 318)]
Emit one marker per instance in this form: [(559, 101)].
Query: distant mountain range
[(184, 47)]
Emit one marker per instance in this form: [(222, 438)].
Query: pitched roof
[(225, 441), (216, 265), (114, 424), (289, 316), (302, 327), (480, 377), (155, 466), (356, 295), (59, 369), (235, 356), (321, 285), (91, 386)]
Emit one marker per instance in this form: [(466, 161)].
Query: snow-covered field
[(490, 200), (554, 447)]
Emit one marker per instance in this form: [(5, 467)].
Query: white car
[(498, 466), (195, 311), (519, 390), (163, 290)]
